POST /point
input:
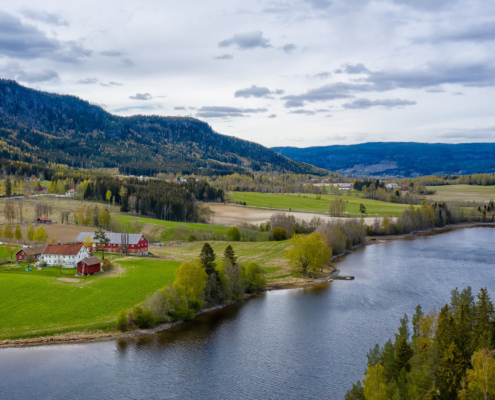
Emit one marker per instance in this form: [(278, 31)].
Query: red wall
[(82, 268), (21, 256)]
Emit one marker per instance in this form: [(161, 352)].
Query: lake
[(290, 344)]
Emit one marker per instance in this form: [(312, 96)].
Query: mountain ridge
[(41, 127), (400, 159)]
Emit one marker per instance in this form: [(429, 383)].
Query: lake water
[(291, 344)]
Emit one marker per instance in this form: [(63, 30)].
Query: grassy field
[(463, 193), (164, 230), (308, 202), (36, 302)]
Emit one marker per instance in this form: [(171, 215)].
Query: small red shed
[(43, 220), (89, 265)]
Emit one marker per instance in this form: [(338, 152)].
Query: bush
[(234, 234), (279, 234), (254, 277), (144, 318), (122, 321), (191, 238), (106, 265)]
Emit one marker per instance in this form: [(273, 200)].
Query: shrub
[(106, 265), (144, 318), (254, 277), (234, 234), (279, 234), (191, 238), (122, 321)]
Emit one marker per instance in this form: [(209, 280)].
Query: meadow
[(37, 303), (309, 203), (463, 193)]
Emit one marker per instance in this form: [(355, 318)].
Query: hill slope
[(399, 159), (43, 127)]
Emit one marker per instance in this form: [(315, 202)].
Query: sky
[(296, 73)]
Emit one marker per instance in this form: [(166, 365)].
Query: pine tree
[(8, 187), (415, 323), (229, 255), (101, 240), (450, 373), (207, 257), (462, 335), (484, 313), (404, 355)]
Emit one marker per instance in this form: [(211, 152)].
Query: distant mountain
[(43, 128), (398, 159)]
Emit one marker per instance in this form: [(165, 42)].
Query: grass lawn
[(463, 193), (308, 202), (36, 302), (164, 230)]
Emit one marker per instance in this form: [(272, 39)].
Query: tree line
[(448, 355)]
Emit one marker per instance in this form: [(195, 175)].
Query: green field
[(36, 302), (309, 203), (463, 193), (166, 230)]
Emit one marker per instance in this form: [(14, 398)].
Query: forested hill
[(43, 128), (399, 159)]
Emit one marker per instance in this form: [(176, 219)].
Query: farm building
[(137, 243), (391, 185), (65, 255), (70, 193), (36, 252), (89, 265), (345, 186), (43, 221)]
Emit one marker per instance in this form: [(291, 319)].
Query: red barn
[(36, 252), (137, 243), (89, 265), (43, 220)]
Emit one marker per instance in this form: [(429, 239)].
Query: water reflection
[(305, 343)]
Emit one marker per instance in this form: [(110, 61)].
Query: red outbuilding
[(89, 265), (36, 252), (43, 220)]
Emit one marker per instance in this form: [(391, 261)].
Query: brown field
[(233, 215)]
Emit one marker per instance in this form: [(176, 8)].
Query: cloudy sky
[(299, 73)]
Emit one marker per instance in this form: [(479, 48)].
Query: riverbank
[(87, 336)]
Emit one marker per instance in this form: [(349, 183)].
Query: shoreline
[(83, 336)]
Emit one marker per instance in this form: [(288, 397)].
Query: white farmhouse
[(65, 255), (391, 185)]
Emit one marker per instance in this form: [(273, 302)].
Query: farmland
[(309, 203), (463, 193), (36, 302)]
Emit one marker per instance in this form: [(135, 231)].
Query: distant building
[(89, 265), (391, 185), (138, 244), (40, 190), (404, 187), (36, 252), (70, 193), (65, 255), (43, 221), (345, 186)]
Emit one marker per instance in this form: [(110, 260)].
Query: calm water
[(305, 343)]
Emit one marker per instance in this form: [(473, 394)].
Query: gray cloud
[(353, 69), (148, 107), (141, 96), (305, 112), (272, 116), (46, 17), (180, 108), (458, 93), (323, 75), (289, 47), (112, 83), (18, 40), (468, 134), (360, 104), (427, 5), (436, 90), (319, 4), (256, 91), (246, 41), (127, 62), (87, 81), (225, 112), (45, 75), (112, 53), (484, 32), (224, 57)]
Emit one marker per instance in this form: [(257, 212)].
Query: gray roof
[(115, 238), (91, 260)]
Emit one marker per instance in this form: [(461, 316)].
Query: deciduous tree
[(308, 252), (190, 279), (40, 235), (30, 232)]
